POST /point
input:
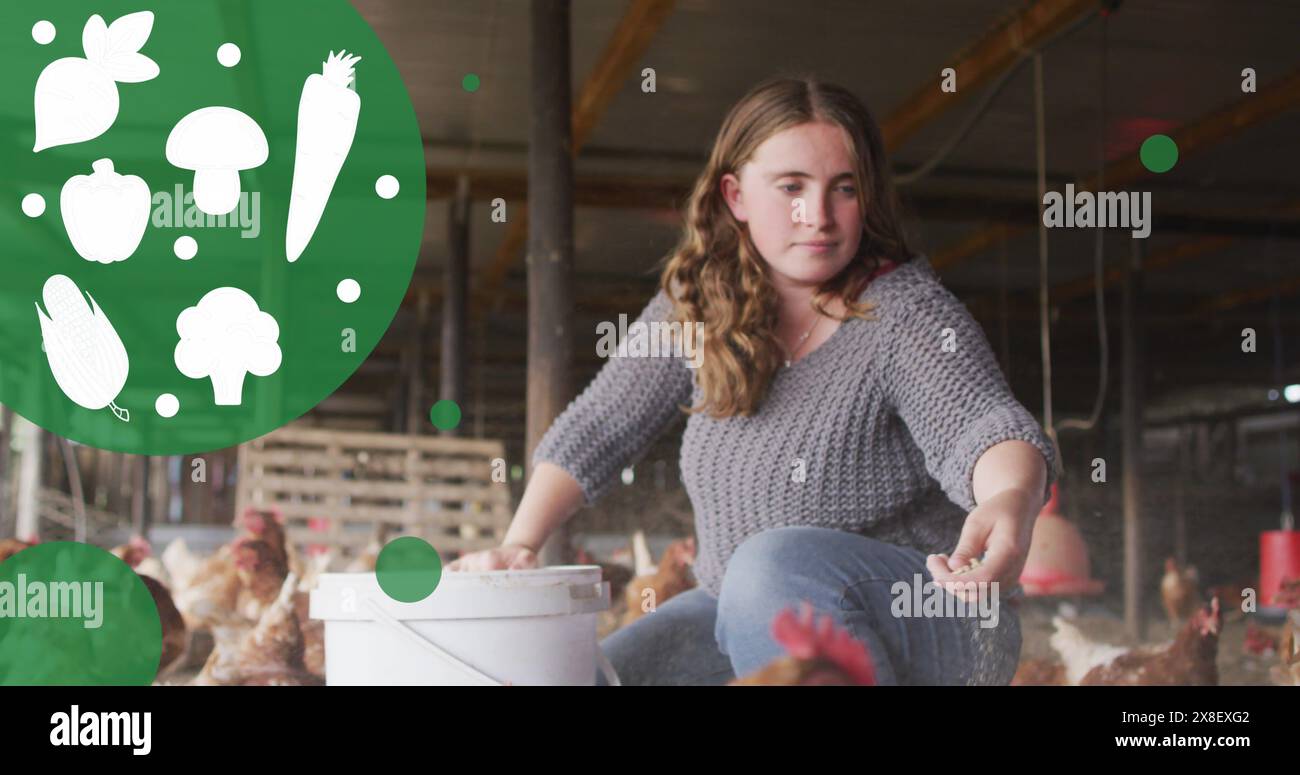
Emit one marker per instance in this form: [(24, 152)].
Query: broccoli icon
[(226, 337)]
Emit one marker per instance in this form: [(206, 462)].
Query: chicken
[(315, 565), (1179, 591), (818, 654), (1287, 671), (618, 575), (1039, 672), (11, 546), (1190, 660), (261, 569), (1232, 596), (210, 596), (268, 525), (181, 564), (313, 635), (365, 562), (643, 563), (233, 587), (138, 553), (133, 551), (1259, 641), (671, 578), (175, 634), (270, 654)]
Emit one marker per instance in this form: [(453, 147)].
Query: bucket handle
[(478, 676), (393, 623)]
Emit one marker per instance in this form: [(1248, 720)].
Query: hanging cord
[(1044, 323), (985, 102), (1099, 262), (1288, 517)]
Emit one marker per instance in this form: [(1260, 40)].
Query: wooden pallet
[(337, 488)]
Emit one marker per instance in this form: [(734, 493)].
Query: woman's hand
[(504, 557), (1000, 530)]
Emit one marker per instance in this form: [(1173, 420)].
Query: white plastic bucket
[(521, 627)]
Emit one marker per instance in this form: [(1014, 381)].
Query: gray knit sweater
[(883, 422)]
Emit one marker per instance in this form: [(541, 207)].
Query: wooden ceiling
[(1227, 219)]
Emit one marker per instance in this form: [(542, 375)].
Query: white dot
[(349, 291), (33, 205), (186, 248), (387, 187), (229, 54), (43, 32), (167, 405)]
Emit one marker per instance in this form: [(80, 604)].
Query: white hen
[(1079, 653)]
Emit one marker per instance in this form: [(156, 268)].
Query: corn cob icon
[(86, 355)]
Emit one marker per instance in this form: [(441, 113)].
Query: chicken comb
[(1288, 594), (1209, 619), (804, 637), (252, 520)]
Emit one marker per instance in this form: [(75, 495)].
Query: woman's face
[(799, 200)]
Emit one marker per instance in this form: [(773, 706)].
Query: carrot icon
[(327, 125)]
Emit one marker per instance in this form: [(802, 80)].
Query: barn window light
[(1292, 393), (628, 475)]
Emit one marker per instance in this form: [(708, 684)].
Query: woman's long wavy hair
[(716, 276)]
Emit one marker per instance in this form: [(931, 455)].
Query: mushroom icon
[(217, 143)]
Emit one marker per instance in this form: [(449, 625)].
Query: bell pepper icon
[(105, 214), (86, 355)]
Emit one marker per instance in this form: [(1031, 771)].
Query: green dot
[(445, 415), (470, 82), (1159, 153), (408, 569), (86, 619)]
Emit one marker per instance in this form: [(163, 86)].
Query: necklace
[(799, 345)]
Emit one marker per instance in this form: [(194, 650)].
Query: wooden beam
[(1260, 293), (981, 62), (455, 331), (1132, 372), (1159, 260), (631, 38), (1191, 138), (550, 239)]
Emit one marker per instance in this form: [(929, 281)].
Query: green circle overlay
[(445, 415), (470, 82), (360, 236), (51, 643), (1159, 153), (408, 569)]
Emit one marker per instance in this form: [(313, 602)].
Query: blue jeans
[(696, 639)]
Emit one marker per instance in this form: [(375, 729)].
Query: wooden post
[(415, 413), (455, 298), (29, 481), (1180, 514), (550, 235), (159, 490), (1131, 390), (140, 494), (80, 531)]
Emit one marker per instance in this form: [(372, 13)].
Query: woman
[(847, 418)]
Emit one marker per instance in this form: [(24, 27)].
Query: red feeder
[(1279, 561), (1058, 557)]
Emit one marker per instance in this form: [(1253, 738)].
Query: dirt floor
[(1236, 667)]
